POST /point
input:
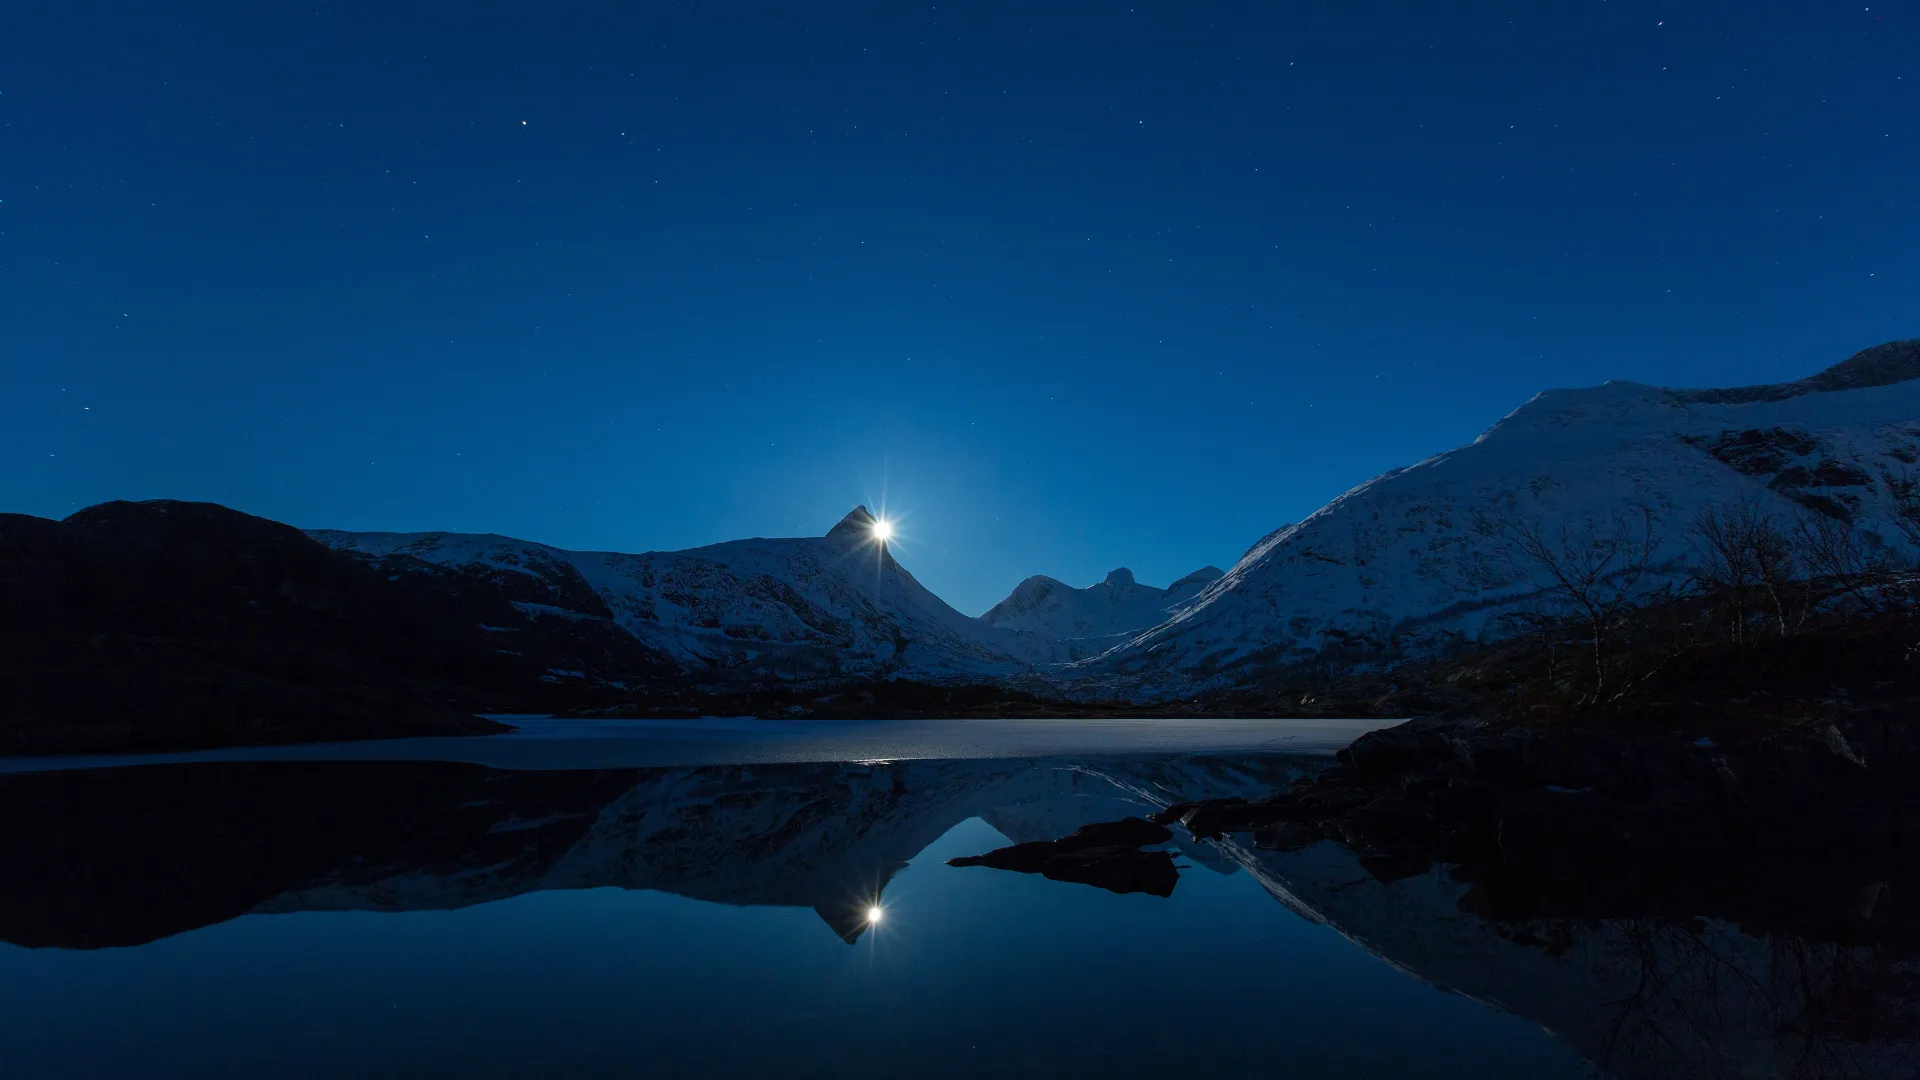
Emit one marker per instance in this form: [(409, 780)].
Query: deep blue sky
[(1075, 285)]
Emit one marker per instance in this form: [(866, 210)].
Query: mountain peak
[(1892, 362), (857, 526), (1202, 577), (1882, 365), (1120, 578)]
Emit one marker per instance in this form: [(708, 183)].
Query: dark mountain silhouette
[(164, 625)]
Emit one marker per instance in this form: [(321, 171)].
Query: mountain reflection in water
[(122, 857)]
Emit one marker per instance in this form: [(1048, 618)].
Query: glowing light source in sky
[(883, 530)]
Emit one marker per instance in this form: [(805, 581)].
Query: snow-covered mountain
[(799, 608), (1408, 564), (1413, 561), (1089, 620)]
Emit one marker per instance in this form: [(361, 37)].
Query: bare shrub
[(1837, 551), (1747, 562), (1598, 571), (1903, 492)]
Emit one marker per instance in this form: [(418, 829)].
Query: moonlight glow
[(883, 530)]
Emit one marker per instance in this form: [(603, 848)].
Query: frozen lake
[(543, 743)]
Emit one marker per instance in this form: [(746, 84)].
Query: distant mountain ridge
[(762, 610), (1088, 620), (165, 624)]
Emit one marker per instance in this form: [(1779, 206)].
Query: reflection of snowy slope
[(805, 607), (1397, 566), (1647, 998)]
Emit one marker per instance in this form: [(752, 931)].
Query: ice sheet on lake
[(544, 743)]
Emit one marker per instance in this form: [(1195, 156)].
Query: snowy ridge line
[(792, 609), (1395, 568)]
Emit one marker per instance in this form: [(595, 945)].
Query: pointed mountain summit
[(1882, 365), (855, 528), (1194, 582), (756, 611)]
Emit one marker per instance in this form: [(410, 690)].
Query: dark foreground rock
[(1459, 791), (1106, 855), (1802, 830), (1582, 823)]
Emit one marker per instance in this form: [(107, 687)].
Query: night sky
[(1067, 286)]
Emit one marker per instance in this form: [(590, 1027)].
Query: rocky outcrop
[(1590, 822), (1106, 855)]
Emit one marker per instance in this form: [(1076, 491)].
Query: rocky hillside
[(1420, 560)]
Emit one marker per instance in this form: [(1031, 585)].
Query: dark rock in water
[(1106, 855), (1173, 813), (1389, 750), (1391, 824), (1119, 870), (1589, 822), (1501, 762), (1128, 832), (1546, 828), (1333, 797), (1388, 869), (1287, 836), (1215, 817)]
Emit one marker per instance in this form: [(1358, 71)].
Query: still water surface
[(400, 918)]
